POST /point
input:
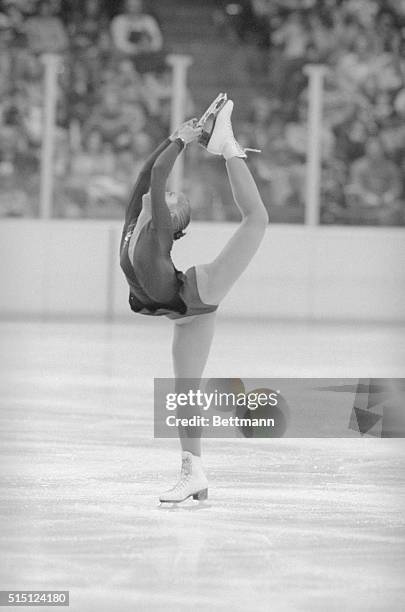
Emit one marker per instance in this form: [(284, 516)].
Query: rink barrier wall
[(71, 268)]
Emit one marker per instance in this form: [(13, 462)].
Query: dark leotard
[(156, 287)]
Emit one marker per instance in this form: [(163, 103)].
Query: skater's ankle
[(232, 149), (194, 454)]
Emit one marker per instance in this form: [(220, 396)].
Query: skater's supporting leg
[(191, 345)]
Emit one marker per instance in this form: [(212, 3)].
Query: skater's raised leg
[(216, 278)]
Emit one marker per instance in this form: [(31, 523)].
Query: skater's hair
[(179, 208), (180, 212), (178, 235)]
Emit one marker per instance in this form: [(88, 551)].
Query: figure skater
[(154, 219)]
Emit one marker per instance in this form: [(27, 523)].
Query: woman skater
[(154, 219)]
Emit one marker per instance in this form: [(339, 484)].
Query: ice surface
[(289, 525)]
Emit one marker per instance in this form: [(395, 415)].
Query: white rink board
[(65, 267)]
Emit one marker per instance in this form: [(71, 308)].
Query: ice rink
[(290, 525)]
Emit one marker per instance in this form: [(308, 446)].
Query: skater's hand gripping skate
[(188, 131)]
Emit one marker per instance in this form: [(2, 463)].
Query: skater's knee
[(257, 218)]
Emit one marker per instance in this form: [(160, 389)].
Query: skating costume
[(157, 288)]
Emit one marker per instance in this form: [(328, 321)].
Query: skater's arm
[(143, 182), (161, 217)]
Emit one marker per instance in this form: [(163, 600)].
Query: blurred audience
[(114, 93), (361, 42), (113, 89), (45, 32), (135, 32), (376, 184), (137, 35)]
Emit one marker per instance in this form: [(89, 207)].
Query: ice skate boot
[(207, 121), (222, 140), (193, 482)]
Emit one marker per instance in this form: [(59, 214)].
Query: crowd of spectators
[(114, 104), (113, 101), (361, 43)]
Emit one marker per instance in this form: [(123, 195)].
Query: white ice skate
[(207, 121), (193, 482), (213, 109), (222, 140)]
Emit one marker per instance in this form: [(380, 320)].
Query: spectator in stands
[(364, 11), (357, 66), (30, 76), (351, 136), (399, 103), (156, 89), (346, 31), (90, 161), (109, 117), (142, 146), (293, 36), (45, 32), (96, 177), (8, 149), (276, 171), (292, 41), (296, 134), (126, 75), (393, 139), (128, 82), (80, 91), (262, 110), (89, 24), (322, 39), (12, 22), (13, 200), (135, 33), (249, 19), (389, 72), (388, 33), (376, 181), (116, 100)]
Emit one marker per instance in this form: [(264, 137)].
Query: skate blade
[(199, 496), (211, 113), (213, 109)]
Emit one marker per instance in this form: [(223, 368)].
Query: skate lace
[(184, 477), (181, 485)]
